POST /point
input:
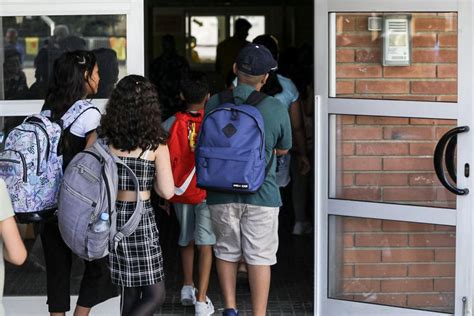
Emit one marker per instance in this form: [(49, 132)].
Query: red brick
[(442, 24), (382, 86), (442, 194), (448, 40), (445, 255), (407, 255), (361, 194), (362, 133), (396, 226), (366, 55), (381, 179), (416, 71), (348, 179), (385, 299), (361, 163), (358, 71), (447, 98), (409, 194), (381, 120), (348, 149), (409, 164), (444, 285), (344, 87), (401, 286), (420, 121), (380, 270), (348, 240), (423, 179), (345, 55), (433, 240), (445, 228), (431, 300), (363, 23), (346, 119), (345, 23), (350, 40), (364, 256), (434, 87), (440, 131), (354, 224), (434, 56), (378, 149), (348, 271), (381, 240), (431, 270), (360, 286), (409, 133), (424, 40), (421, 149), (410, 97), (447, 71)]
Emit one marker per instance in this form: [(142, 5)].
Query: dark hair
[(133, 116), (242, 25), (272, 86), (108, 70), (194, 86), (68, 84)]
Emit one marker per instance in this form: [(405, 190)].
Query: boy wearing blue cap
[(246, 225)]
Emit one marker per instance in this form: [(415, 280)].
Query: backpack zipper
[(79, 195), (25, 178), (38, 149), (48, 146), (86, 172)]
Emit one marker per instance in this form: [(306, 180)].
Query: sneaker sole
[(187, 302)]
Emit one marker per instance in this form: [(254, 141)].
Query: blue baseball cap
[(255, 60)]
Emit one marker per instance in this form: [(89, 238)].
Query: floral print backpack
[(31, 166)]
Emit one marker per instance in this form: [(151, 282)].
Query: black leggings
[(143, 300)]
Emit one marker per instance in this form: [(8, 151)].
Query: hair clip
[(81, 60)]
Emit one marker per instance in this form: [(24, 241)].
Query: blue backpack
[(230, 155)]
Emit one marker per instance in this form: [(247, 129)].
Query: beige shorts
[(245, 230)]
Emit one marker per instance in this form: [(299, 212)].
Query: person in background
[(12, 248), (228, 49), (247, 224), (11, 41), (194, 219), (108, 71), (133, 131), (75, 78)]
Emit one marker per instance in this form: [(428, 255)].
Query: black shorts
[(96, 285)]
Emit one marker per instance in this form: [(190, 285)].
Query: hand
[(304, 166)]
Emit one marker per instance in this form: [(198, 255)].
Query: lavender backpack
[(31, 165), (89, 188)]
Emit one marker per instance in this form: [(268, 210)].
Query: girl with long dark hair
[(132, 129), (75, 78)]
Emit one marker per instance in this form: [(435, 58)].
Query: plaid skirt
[(138, 260)]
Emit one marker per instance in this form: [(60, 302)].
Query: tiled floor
[(291, 289)]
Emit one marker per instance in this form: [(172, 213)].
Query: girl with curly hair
[(132, 129)]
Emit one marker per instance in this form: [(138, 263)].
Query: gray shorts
[(245, 230), (195, 224)]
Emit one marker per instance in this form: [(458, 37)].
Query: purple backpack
[(230, 155)]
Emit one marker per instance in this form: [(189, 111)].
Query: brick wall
[(395, 263), (390, 159), (432, 75)]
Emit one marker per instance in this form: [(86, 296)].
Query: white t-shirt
[(6, 211), (88, 121)]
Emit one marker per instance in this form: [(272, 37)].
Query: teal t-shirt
[(277, 136)]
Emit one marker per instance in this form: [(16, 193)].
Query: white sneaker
[(302, 228), (204, 308), (188, 295)]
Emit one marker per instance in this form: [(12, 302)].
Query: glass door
[(394, 96)]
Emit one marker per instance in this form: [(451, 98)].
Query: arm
[(15, 251), (164, 183), (299, 137), (281, 152)]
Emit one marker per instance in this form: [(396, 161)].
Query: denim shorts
[(195, 224)]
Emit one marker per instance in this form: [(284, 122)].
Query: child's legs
[(205, 238), (142, 301), (299, 192), (185, 216)]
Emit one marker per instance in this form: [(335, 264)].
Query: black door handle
[(446, 146)]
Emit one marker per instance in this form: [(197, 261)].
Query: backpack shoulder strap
[(75, 111), (255, 98), (226, 96)]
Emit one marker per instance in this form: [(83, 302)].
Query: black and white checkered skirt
[(138, 260)]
